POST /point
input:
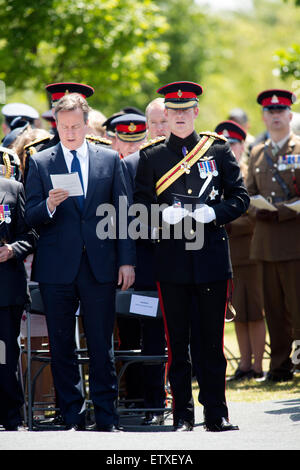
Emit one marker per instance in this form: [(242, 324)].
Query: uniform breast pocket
[(264, 182)]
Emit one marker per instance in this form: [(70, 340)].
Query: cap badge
[(179, 93), (274, 99), (132, 127), (225, 133)]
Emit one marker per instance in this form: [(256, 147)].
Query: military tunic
[(276, 242)]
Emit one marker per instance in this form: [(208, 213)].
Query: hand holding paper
[(56, 197)]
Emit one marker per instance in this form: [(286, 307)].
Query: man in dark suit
[(16, 242), (75, 262), (170, 173)]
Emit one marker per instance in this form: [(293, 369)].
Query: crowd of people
[(240, 198)]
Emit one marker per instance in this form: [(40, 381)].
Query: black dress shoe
[(241, 375), (152, 419), (15, 427), (182, 426), (222, 425), (75, 427), (280, 377)]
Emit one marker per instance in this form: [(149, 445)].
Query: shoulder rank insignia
[(152, 142), (214, 134), (32, 147), (98, 140)]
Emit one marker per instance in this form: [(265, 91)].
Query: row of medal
[(5, 213), (288, 162)]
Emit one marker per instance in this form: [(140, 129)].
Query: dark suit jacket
[(13, 282), (69, 232), (228, 198), (144, 270)]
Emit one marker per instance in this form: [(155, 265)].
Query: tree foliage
[(109, 44)]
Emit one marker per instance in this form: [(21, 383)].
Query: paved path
[(271, 425)]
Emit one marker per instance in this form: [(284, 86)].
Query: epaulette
[(31, 148), (98, 140), (152, 142), (214, 134)]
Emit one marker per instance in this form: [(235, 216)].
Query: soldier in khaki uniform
[(274, 173), (247, 296)]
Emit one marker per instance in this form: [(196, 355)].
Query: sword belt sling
[(279, 180), (180, 168)]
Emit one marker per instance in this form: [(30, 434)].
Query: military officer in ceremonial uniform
[(16, 242), (274, 173), (130, 133), (204, 167), (247, 295)]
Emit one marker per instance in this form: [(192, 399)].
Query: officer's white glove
[(172, 215), (204, 214)]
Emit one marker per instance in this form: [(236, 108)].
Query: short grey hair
[(157, 101), (71, 102)]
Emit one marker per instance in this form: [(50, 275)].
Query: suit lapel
[(94, 173)]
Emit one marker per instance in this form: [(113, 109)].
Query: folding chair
[(42, 356), (133, 303)]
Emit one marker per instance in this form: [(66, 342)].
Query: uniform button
[(223, 238), (190, 191), (273, 179), (208, 289), (192, 232), (272, 193)]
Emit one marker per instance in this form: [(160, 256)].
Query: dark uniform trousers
[(11, 393), (282, 305), (98, 309), (203, 329)]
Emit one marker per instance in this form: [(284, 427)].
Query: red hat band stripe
[(129, 128), (232, 134), (57, 96), (279, 100), (181, 94)]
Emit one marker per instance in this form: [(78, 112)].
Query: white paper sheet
[(295, 206), (261, 203), (144, 305), (69, 182)]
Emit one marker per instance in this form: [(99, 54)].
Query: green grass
[(251, 390)]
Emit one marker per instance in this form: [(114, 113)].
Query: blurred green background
[(126, 50)]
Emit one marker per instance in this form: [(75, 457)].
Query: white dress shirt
[(83, 157)]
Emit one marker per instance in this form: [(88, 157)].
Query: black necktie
[(75, 167)]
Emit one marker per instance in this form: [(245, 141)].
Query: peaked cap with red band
[(130, 127), (58, 90), (231, 130), (180, 95), (276, 98)]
